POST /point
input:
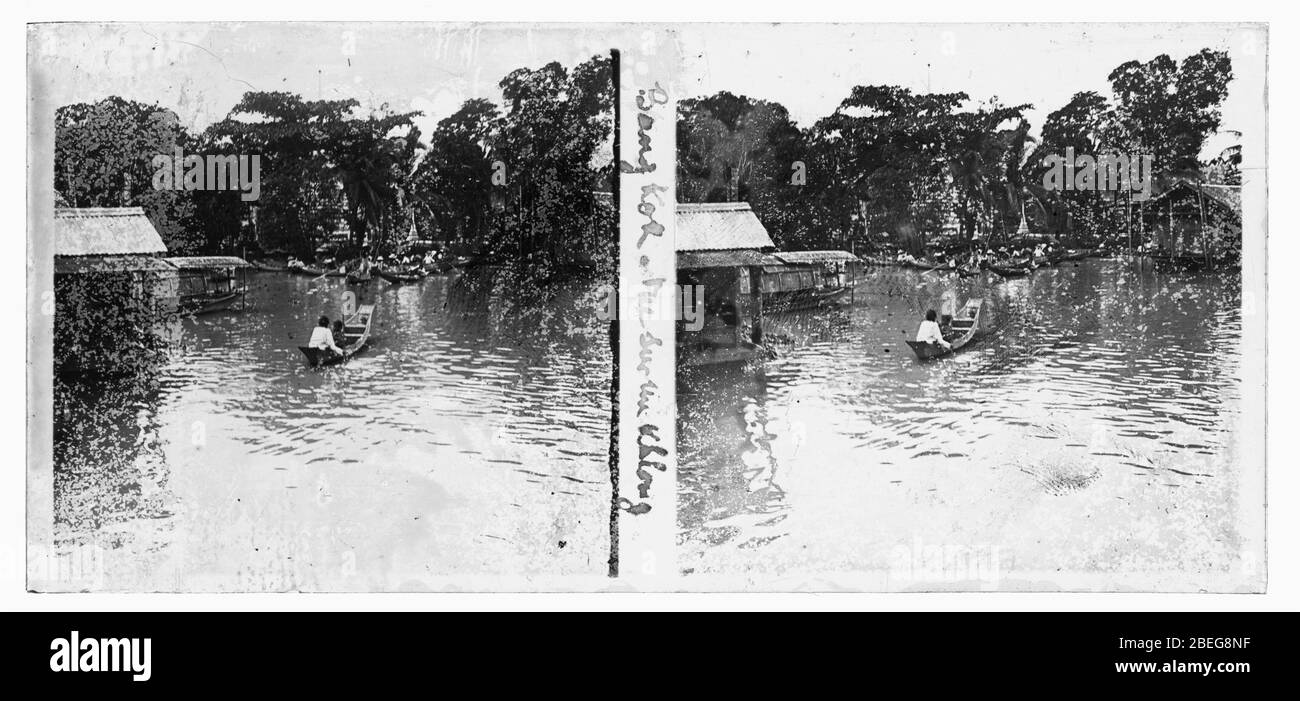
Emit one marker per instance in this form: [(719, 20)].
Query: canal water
[(470, 439), (1086, 439)]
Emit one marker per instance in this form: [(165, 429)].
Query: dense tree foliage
[(898, 167), (554, 123), (504, 184), (452, 186), (733, 148), (103, 155)]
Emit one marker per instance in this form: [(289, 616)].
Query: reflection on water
[(469, 439), (1090, 429)]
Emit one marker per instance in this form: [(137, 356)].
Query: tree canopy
[(893, 166), (501, 183)]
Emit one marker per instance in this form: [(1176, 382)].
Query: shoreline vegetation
[(524, 179), (949, 181)]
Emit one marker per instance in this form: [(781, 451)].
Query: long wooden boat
[(398, 278), (356, 334), (1006, 271), (358, 277), (208, 284), (311, 271), (197, 305), (271, 267), (965, 324), (929, 266)]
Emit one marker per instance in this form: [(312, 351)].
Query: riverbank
[(1020, 261)]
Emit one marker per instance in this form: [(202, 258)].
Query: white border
[(1283, 479), (648, 66)]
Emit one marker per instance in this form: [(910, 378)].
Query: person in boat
[(322, 339), (337, 333), (930, 331)]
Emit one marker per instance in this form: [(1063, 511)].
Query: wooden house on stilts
[(1196, 225), (721, 251)]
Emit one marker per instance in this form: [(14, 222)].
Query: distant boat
[(310, 271), (398, 278), (964, 326), (270, 267), (1010, 271), (199, 305), (359, 276), (207, 284), (798, 280), (356, 334)]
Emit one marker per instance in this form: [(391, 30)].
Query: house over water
[(722, 247), (809, 279), (113, 292), (725, 249), (1196, 225)]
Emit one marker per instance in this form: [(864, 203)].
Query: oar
[(315, 280)]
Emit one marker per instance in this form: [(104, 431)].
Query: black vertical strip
[(615, 74)]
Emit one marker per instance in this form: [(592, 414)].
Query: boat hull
[(208, 305), (928, 351), (966, 324), (1009, 272), (399, 278), (271, 268), (356, 333)]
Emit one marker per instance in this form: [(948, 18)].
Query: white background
[(1283, 478)]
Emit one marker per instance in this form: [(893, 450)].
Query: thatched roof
[(74, 265), (720, 226), (105, 231), (695, 260), (1229, 196), (208, 262), (798, 257)]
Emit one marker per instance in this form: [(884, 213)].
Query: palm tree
[(977, 161)]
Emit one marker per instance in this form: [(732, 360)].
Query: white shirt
[(322, 338), (930, 333)]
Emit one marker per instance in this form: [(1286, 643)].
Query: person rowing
[(930, 331), (322, 339)]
